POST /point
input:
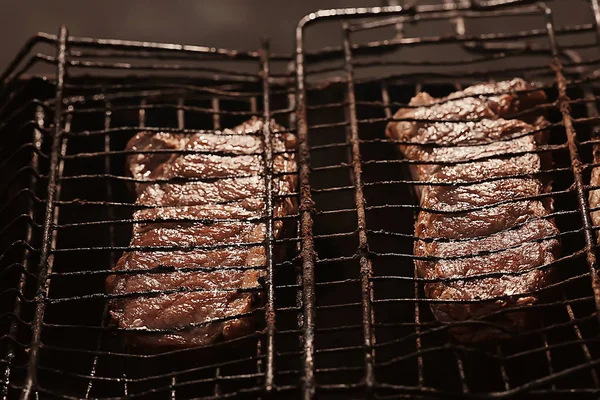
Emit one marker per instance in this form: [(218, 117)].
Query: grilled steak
[(484, 233), (200, 236)]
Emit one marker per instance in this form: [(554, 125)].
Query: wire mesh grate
[(392, 345), (345, 312)]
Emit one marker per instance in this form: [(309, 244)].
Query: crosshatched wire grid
[(375, 331), (61, 344), (368, 327)]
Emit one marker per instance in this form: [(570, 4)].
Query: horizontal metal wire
[(449, 346), (82, 202), (84, 155), (165, 354), (204, 221)]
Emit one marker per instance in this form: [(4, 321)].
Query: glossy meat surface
[(484, 237), (201, 237)]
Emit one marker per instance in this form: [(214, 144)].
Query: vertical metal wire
[(291, 103), (419, 347), (61, 165), (592, 111), (112, 255), (216, 115), (577, 165), (366, 267), (461, 372), (596, 12), (180, 114), (142, 113), (505, 378), (548, 354), (181, 127), (584, 347), (259, 368), (44, 265), (34, 163), (385, 96), (459, 361), (217, 387), (306, 210), (268, 177)]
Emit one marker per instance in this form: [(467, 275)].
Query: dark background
[(233, 24)]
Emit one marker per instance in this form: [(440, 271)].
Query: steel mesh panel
[(391, 343), (345, 314), (22, 193), (75, 351)]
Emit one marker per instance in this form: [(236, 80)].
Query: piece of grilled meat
[(484, 235), (205, 201)]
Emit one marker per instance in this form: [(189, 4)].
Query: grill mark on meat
[(215, 303), (479, 222), (476, 242)]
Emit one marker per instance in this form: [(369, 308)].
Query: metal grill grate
[(345, 313), (375, 332)]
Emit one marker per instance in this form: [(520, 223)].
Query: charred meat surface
[(484, 235), (200, 234)]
